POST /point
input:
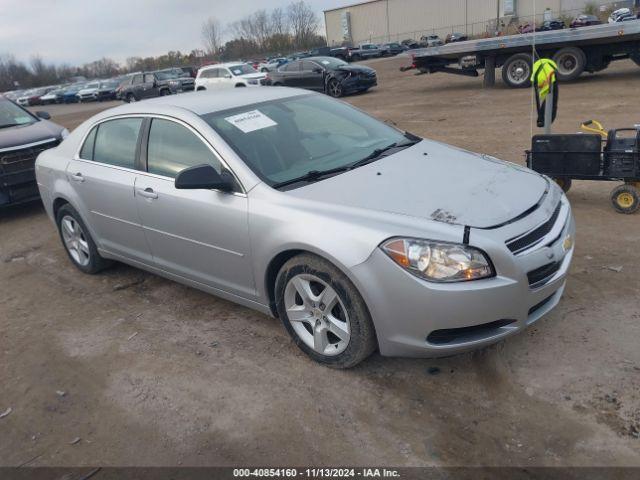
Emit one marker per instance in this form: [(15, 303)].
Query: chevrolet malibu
[(356, 235)]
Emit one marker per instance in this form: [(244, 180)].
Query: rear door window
[(86, 152), (116, 142)]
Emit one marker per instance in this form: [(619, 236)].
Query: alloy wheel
[(335, 89), (75, 240), (317, 314)]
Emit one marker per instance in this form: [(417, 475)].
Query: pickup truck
[(338, 52), (365, 51)]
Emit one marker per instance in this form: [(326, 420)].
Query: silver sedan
[(357, 235)]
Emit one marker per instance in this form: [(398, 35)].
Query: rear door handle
[(77, 177), (148, 193)]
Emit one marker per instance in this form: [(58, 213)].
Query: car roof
[(226, 64), (208, 101)]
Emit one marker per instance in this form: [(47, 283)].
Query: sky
[(80, 31)]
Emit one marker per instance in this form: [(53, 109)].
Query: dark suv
[(152, 84)]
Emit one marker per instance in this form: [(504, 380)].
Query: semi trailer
[(576, 50)]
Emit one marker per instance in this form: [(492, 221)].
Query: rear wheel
[(323, 312), (571, 62), (516, 72), (625, 199), (77, 241), (164, 92), (130, 98)]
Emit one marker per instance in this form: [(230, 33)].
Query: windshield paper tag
[(250, 121)]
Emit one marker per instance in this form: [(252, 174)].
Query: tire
[(200, 89), (516, 71), (313, 329), (334, 88), (625, 199), (240, 85), (355, 58), (130, 98), (77, 241), (571, 63), (164, 92), (563, 183), (264, 70)]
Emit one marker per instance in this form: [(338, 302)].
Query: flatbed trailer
[(575, 50)]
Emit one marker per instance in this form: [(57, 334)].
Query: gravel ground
[(126, 368)]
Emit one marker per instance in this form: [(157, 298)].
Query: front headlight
[(437, 261), (64, 134)]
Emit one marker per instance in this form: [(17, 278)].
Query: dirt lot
[(154, 373)]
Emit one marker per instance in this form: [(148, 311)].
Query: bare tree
[(304, 23), (212, 35), (278, 21)]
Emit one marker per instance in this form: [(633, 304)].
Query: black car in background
[(23, 136), (585, 21), (392, 48), (107, 90), (330, 75)]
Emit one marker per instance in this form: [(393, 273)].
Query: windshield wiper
[(312, 176), (379, 152), (7, 125)]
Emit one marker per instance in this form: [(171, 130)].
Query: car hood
[(26, 134), (436, 182), (356, 69)]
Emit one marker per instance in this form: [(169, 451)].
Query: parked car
[(364, 51), (329, 75), (585, 21), (32, 97), (89, 92), (54, 96), (69, 95), (228, 75), (338, 52), (107, 90), (355, 234), (23, 136), (179, 80), (410, 43), (551, 25), (392, 48), (431, 41), (272, 64), (456, 37), (149, 85), (622, 15)]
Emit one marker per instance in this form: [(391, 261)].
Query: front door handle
[(148, 193), (77, 177)]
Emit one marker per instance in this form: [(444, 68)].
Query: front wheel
[(130, 98), (516, 72), (77, 241), (323, 312), (334, 88)]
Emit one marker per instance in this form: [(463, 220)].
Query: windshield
[(242, 69), (284, 139), (12, 115), (109, 84), (165, 75), (92, 85)]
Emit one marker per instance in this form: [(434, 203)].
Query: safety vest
[(544, 76)]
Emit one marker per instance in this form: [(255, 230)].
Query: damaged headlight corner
[(439, 261)]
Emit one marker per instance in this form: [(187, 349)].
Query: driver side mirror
[(43, 115), (317, 70), (204, 177), (228, 75)]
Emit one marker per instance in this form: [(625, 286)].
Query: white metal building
[(395, 20)]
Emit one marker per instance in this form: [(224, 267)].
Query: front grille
[(526, 241), (540, 276), (22, 160)]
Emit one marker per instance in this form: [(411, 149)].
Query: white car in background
[(228, 75), (89, 92)]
